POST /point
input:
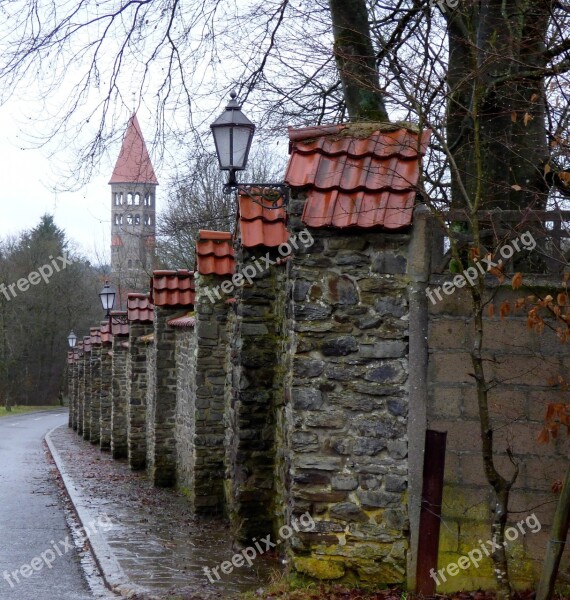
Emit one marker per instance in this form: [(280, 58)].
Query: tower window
[(118, 219), (129, 199), (129, 219), (146, 219), (137, 199), (137, 219), (130, 264), (148, 199)]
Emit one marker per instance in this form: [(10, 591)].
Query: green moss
[(319, 568)]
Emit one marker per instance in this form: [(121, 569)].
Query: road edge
[(113, 575)]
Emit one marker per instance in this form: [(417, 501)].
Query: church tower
[(133, 215)]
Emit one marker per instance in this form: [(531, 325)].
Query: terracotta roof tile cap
[(206, 234)]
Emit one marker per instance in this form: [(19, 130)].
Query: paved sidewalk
[(155, 548)]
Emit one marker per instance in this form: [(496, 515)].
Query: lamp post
[(233, 133), (107, 296), (72, 339)]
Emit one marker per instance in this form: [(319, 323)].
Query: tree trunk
[(355, 61), (556, 543)]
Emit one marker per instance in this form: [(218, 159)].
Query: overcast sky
[(27, 188)]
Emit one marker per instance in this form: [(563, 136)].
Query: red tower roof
[(133, 164)]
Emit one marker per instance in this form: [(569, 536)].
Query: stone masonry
[(349, 402), (87, 388), (119, 447), (137, 393), (185, 403), (163, 406), (106, 396), (95, 424)]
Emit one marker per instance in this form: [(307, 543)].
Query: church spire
[(134, 164)]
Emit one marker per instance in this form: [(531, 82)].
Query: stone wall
[(519, 365), (95, 417), (185, 408), (87, 395), (349, 402), (150, 401), (74, 400), (106, 397), (211, 370), (163, 465), (255, 397), (80, 392), (119, 446), (137, 378)]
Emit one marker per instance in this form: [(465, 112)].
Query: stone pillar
[(348, 402), (87, 388), (74, 390), (150, 401), (106, 397), (80, 388), (185, 432), (119, 446), (163, 466), (210, 366), (70, 388), (137, 392), (95, 434), (255, 397)]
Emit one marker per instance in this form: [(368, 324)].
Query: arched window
[(129, 199), (116, 199), (137, 199), (146, 220), (118, 219), (148, 199), (129, 219), (130, 264), (137, 219)]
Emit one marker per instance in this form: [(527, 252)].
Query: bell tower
[(133, 215)]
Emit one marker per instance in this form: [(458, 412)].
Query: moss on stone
[(319, 568)]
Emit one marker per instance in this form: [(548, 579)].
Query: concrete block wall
[(348, 403), (519, 366)]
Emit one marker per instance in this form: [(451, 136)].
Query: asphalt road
[(33, 530)]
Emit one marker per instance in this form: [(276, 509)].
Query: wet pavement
[(38, 557), (154, 542)]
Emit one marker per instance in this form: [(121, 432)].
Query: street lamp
[(72, 339), (233, 133), (107, 297)]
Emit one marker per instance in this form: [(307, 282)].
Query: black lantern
[(233, 133), (107, 297), (72, 339)]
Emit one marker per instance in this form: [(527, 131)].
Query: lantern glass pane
[(223, 147), (241, 141)]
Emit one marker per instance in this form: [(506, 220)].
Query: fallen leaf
[(517, 281)]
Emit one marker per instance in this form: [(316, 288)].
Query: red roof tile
[(95, 335), (183, 321), (140, 308), (86, 343), (133, 164), (106, 337), (119, 328), (173, 288), (261, 226), (70, 357), (215, 253), (353, 181)]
